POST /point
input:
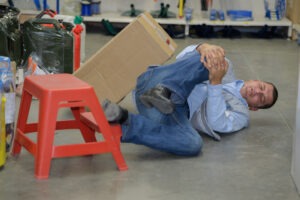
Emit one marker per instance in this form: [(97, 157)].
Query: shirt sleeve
[(221, 118), (230, 75)]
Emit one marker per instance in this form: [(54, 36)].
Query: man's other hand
[(211, 55), (216, 73)]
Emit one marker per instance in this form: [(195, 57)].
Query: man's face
[(257, 93)]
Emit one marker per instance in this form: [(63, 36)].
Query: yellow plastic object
[(3, 133), (180, 8)]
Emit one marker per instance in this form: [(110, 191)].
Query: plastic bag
[(10, 36), (32, 66)]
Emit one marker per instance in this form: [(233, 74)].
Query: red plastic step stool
[(57, 91)]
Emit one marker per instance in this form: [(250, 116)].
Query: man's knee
[(196, 147), (193, 147)]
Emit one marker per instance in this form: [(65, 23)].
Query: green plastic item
[(52, 43), (78, 19), (4, 38), (132, 12), (163, 12), (10, 36), (109, 27)]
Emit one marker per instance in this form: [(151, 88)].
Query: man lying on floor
[(198, 93)]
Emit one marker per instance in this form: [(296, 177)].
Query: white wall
[(25, 4), (296, 147)]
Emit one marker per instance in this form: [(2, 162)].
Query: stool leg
[(117, 133), (87, 133), (45, 140), (22, 120)]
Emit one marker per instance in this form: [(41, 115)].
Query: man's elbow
[(229, 127)]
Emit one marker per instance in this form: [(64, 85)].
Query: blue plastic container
[(86, 8), (95, 7)]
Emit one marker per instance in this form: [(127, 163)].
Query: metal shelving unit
[(197, 20)]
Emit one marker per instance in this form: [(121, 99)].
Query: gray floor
[(253, 164)]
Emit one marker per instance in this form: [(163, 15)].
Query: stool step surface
[(58, 81)]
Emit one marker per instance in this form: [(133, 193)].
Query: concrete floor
[(253, 164)]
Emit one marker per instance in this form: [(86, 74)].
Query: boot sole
[(162, 106)]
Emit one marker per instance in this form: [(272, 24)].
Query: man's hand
[(213, 58), (211, 55), (217, 73)]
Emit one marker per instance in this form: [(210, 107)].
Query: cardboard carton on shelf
[(113, 69), (26, 16), (293, 11)]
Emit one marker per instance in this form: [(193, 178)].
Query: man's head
[(259, 94)]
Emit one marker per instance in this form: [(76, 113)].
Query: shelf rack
[(196, 20)]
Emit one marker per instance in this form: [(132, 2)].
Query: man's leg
[(179, 78), (174, 135), (170, 133)]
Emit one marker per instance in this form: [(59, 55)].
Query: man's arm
[(221, 118)]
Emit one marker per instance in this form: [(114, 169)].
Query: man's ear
[(253, 108)]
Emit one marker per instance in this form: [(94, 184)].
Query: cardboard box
[(113, 70), (26, 16), (293, 11)]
